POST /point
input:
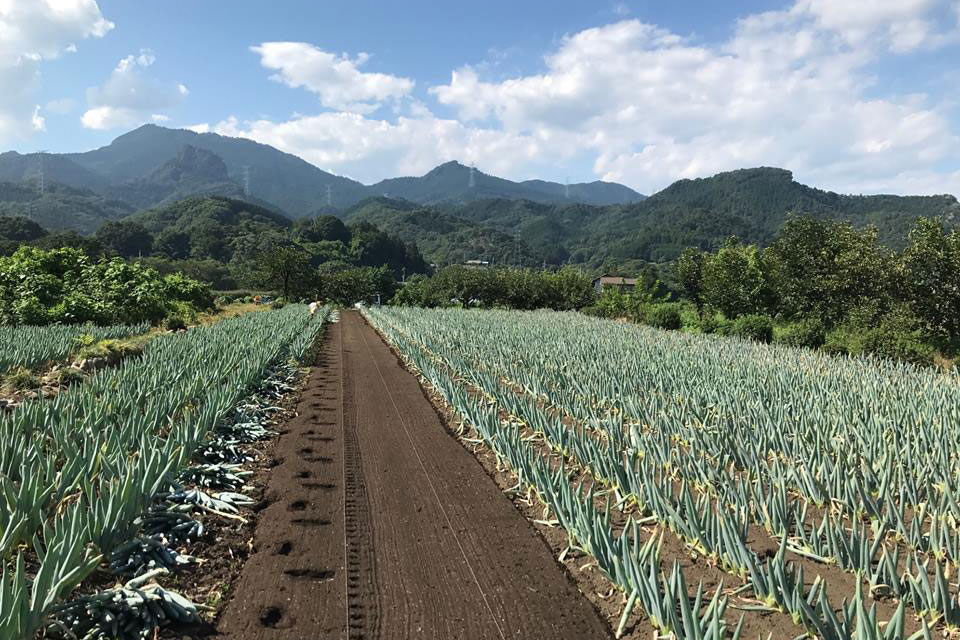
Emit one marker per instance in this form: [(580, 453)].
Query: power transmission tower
[(329, 196), (246, 180), (473, 177), (40, 157), (566, 189)]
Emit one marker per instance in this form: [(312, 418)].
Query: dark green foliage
[(66, 286), (565, 289), (733, 280), (320, 229), (754, 326), (931, 271), (211, 225), (359, 284), (284, 267), (821, 269), (663, 316), (802, 333), (20, 229), (175, 322), (125, 238), (896, 334)]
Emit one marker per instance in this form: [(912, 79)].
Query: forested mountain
[(442, 237), (59, 206), (453, 182), (192, 172), (135, 167), (16, 167)]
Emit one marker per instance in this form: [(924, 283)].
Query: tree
[(285, 267), (173, 243), (322, 228), (689, 274), (125, 238), (931, 268), (823, 269), (20, 229), (733, 280)]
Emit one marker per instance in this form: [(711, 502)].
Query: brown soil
[(380, 525)]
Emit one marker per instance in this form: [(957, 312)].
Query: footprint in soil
[(285, 548), (299, 505), (320, 439), (271, 617), (304, 474), (319, 459), (305, 451), (324, 486), (310, 522), (311, 574)]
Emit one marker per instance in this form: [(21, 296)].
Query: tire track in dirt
[(362, 601)]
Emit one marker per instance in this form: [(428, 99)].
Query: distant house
[(606, 281), (476, 264)]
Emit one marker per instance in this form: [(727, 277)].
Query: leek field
[(844, 469), (109, 477)]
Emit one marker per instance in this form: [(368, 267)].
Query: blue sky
[(851, 96)]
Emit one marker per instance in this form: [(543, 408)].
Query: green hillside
[(60, 207), (443, 238)]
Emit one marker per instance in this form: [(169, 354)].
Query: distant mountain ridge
[(454, 212), (128, 165)]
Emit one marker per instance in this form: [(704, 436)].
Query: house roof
[(608, 279)]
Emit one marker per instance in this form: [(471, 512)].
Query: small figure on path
[(313, 307)]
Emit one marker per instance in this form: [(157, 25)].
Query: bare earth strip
[(427, 546)]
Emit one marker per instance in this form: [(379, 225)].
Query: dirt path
[(433, 548)]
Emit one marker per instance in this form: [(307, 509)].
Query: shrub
[(753, 326), (897, 334), (175, 322), (712, 323), (804, 333), (279, 303), (22, 379), (662, 316), (70, 375)]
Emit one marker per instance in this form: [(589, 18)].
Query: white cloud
[(336, 79), (202, 127), (794, 88), (31, 32), (130, 97)]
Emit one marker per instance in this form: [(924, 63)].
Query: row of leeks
[(705, 524), (78, 471), (27, 346), (625, 455)]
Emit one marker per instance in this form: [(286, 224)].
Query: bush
[(662, 316), (805, 333), (70, 375), (898, 335), (175, 322), (711, 323), (279, 303), (22, 379), (753, 326)]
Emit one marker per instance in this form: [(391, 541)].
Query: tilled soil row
[(380, 525)]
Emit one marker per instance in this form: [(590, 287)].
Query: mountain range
[(453, 212), (150, 165)]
